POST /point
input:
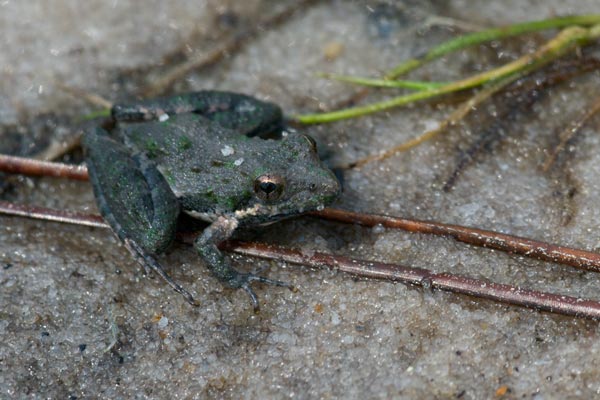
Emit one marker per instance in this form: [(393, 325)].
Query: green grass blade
[(413, 85)]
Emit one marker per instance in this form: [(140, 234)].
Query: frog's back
[(209, 168)]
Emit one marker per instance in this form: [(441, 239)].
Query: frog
[(222, 157)]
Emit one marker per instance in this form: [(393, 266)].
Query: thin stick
[(48, 214), (114, 328), (501, 293), (57, 150), (507, 294), (31, 167), (478, 237)]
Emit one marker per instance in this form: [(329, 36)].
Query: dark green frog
[(204, 154)]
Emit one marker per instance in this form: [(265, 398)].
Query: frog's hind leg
[(150, 264), (135, 200), (238, 112), (206, 245)]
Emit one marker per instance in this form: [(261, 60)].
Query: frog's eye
[(311, 141), (269, 187)]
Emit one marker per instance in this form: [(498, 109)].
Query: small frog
[(204, 154)]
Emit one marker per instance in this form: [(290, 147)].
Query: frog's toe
[(274, 282), (176, 286), (151, 265), (253, 297), (244, 281)]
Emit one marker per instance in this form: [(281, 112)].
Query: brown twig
[(31, 167), (507, 294), (478, 237)]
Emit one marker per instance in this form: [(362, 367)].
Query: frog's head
[(296, 182)]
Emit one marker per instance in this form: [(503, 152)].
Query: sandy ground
[(66, 292)]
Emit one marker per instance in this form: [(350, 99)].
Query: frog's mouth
[(264, 214), (276, 219)]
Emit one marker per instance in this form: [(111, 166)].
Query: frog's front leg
[(206, 245)]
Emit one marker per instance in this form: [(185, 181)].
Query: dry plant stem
[(585, 65), (581, 259), (57, 150), (570, 132), (221, 51), (477, 237), (462, 111), (91, 98), (507, 294), (178, 72)]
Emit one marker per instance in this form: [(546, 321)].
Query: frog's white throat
[(203, 216), (212, 216)]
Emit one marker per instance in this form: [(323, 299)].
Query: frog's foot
[(220, 230), (243, 281), (150, 264)]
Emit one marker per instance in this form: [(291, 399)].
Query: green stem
[(488, 35), (414, 85)]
